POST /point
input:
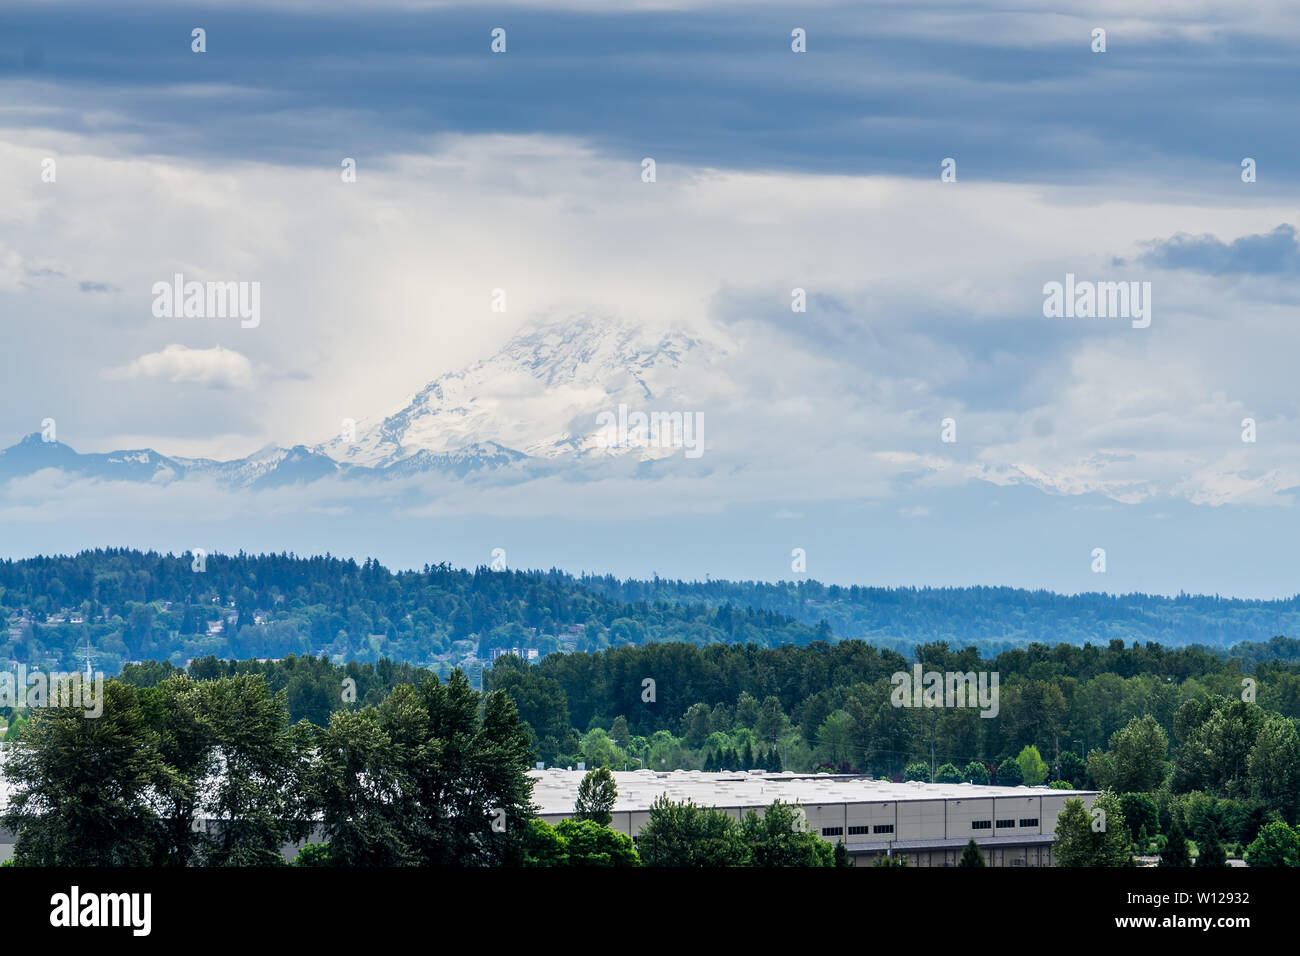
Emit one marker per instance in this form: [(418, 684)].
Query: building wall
[(913, 820), (1005, 855)]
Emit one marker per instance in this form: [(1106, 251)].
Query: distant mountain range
[(535, 400)]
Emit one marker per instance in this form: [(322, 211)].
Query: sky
[(775, 170)]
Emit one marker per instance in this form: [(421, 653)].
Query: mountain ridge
[(535, 399)]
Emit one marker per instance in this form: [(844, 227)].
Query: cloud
[(694, 83), (1272, 253), (214, 368), (935, 311)]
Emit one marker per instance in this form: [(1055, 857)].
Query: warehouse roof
[(556, 789)]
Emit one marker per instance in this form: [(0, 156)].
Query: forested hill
[(991, 618), (128, 605)]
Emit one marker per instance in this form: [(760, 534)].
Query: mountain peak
[(539, 394)]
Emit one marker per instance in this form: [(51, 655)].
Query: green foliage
[(1074, 769), (618, 732), (1033, 769), (541, 703), (1218, 736), (597, 795), (781, 838), (588, 843), (729, 657), (1277, 845), (1138, 755), (313, 854), (599, 751), (993, 616), (948, 773), (1176, 851), (917, 771), (574, 843), (1010, 773), (682, 834), (1101, 770), (1140, 815), (835, 737), (134, 786), (257, 797), (1273, 767), (541, 845), (15, 729), (423, 778), (737, 689), (81, 786), (1211, 853), (144, 605), (972, 856), (1083, 839)]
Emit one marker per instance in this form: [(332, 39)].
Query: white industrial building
[(928, 824)]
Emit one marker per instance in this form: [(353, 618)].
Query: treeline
[(212, 773), (829, 705), (126, 605), (1201, 760), (129, 605), (990, 618)]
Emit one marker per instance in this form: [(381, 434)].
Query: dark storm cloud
[(711, 87)]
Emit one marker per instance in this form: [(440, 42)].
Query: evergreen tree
[(1212, 854), (972, 856), (1176, 852)]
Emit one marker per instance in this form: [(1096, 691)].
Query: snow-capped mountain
[(538, 398), (266, 468)]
